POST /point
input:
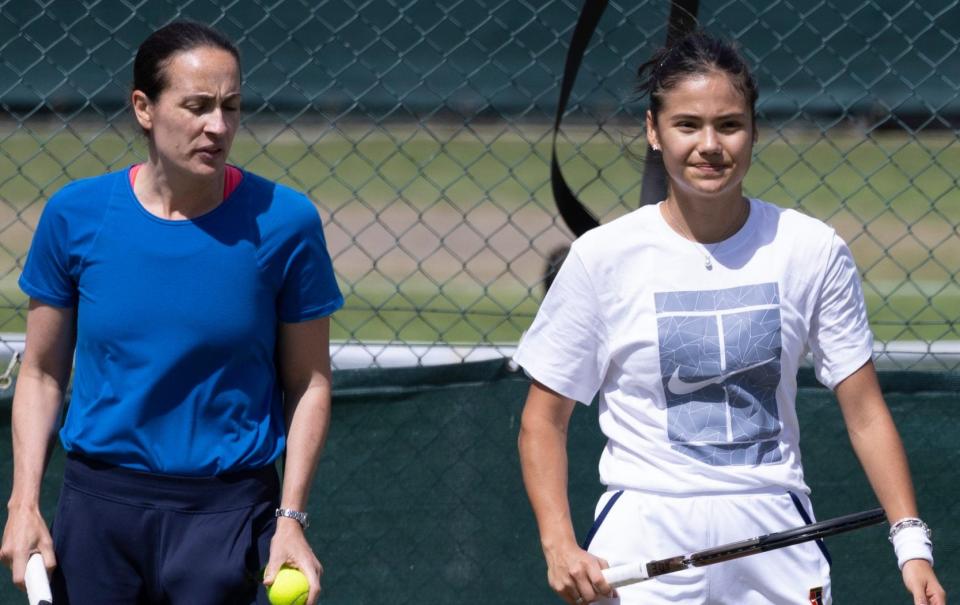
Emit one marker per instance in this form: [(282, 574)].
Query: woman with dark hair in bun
[(689, 319), (195, 298)]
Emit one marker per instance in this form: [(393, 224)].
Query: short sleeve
[(840, 336), (309, 289), (47, 275), (565, 347)]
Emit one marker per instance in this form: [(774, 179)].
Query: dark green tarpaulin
[(386, 59), (419, 497)]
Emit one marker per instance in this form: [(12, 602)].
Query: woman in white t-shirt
[(689, 319)]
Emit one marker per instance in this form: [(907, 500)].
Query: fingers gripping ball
[(290, 587)]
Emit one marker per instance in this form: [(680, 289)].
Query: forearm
[(304, 362), (876, 442), (309, 420), (880, 451), (34, 419), (543, 459)]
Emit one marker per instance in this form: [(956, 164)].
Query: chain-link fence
[(421, 130)]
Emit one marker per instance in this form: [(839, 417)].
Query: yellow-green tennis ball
[(290, 587)]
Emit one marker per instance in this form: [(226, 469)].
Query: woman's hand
[(922, 583), (25, 534), (575, 574), (289, 548)]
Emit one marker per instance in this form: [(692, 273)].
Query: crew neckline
[(234, 179), (730, 243)]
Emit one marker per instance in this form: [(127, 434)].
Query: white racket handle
[(628, 573), (38, 585)]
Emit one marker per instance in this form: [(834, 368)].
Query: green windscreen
[(419, 497)]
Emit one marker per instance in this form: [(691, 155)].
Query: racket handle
[(38, 585), (628, 573)]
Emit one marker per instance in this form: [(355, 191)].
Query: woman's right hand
[(575, 574), (25, 533)]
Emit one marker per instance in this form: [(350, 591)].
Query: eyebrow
[(202, 96), (691, 116)]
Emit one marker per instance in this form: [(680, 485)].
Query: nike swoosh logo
[(679, 387)]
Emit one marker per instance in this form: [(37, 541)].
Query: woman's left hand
[(922, 583), (289, 548)]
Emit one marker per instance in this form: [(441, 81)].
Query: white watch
[(298, 516)]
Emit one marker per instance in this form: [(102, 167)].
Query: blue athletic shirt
[(177, 320)]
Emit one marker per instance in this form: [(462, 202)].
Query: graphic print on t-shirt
[(720, 366)]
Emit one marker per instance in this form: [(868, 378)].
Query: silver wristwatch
[(298, 516)]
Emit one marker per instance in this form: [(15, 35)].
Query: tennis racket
[(38, 585), (630, 573)]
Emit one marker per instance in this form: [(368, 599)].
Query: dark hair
[(178, 36), (554, 261), (696, 53)]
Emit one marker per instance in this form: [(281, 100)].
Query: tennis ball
[(290, 587)]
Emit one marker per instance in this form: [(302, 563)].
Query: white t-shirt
[(695, 368)]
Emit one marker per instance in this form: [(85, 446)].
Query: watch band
[(298, 516)]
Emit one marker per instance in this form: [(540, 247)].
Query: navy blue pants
[(128, 538)]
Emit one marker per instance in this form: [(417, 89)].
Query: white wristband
[(912, 543)]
